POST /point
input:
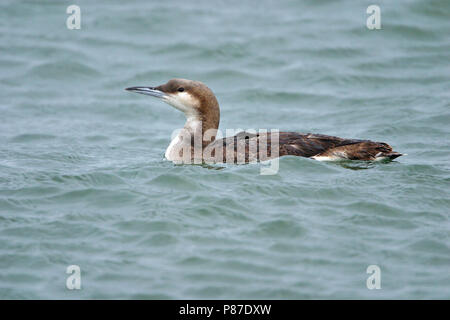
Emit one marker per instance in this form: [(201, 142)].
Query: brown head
[(193, 98)]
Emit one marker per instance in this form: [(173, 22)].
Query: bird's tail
[(389, 155)]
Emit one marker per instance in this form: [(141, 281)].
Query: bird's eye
[(181, 89)]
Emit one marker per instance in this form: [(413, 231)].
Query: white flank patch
[(326, 158), (337, 156)]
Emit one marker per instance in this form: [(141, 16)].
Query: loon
[(200, 106)]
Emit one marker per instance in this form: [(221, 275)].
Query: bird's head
[(193, 98)]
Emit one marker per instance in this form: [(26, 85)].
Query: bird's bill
[(150, 91)]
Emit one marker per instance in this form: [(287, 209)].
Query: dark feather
[(245, 147)]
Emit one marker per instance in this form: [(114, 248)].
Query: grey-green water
[(83, 180)]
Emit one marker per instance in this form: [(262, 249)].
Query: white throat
[(182, 101), (186, 103), (193, 126)]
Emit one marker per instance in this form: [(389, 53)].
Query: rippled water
[(83, 180)]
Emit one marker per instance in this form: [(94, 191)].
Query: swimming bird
[(200, 106)]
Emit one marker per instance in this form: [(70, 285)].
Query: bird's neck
[(198, 132), (201, 128)]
